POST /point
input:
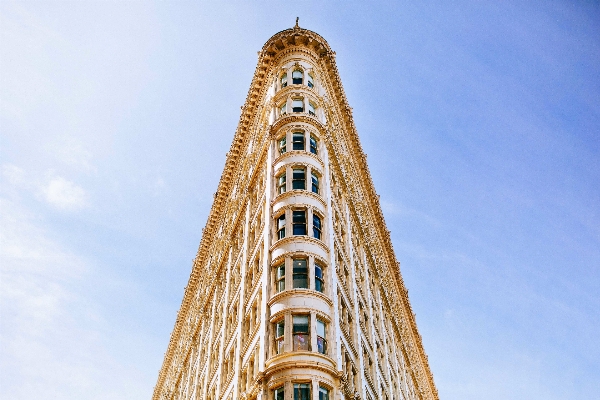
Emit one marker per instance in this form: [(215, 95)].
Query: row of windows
[(300, 334), (298, 181), (298, 78), (298, 143), (301, 392), (300, 276), (299, 224), (298, 106)]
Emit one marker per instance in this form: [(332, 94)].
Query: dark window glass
[(278, 394), (297, 77), (281, 226), (298, 178), (300, 274), (315, 182), (313, 145), (319, 283), (321, 341), (298, 105), (298, 141), (310, 81), (300, 332), (280, 278), (323, 393), (316, 226), (299, 222)]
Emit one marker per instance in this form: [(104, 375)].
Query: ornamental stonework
[(295, 291)]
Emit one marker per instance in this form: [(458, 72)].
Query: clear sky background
[(481, 121)]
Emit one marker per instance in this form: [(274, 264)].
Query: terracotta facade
[(295, 292)]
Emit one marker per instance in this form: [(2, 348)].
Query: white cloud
[(64, 194)]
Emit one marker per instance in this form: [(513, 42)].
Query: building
[(295, 292)]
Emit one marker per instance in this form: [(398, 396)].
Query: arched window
[(297, 76), (283, 80), (298, 105)]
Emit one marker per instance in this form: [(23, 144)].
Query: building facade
[(295, 292)]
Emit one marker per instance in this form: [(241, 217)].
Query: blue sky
[(481, 121)]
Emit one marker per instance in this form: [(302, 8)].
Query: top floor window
[(298, 105), (310, 80), (297, 76), (283, 80)]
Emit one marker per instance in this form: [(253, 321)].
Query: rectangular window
[(319, 281), (282, 109), (300, 274), (313, 145), (315, 182), (321, 341), (299, 178), (299, 222), (297, 141), (300, 332), (278, 394), (283, 80), (311, 108), (311, 81), (281, 226), (323, 393), (281, 181), (280, 278), (297, 77), (279, 336), (316, 226), (282, 145), (298, 105)]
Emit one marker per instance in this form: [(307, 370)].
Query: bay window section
[(281, 183), (298, 141), (299, 178), (316, 226), (278, 394), (301, 334), (299, 222), (319, 281), (313, 144), (280, 278), (323, 393), (297, 77), (281, 226), (321, 341), (300, 274), (279, 337), (298, 105), (282, 145), (315, 182)]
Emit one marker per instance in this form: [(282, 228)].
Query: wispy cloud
[(64, 194)]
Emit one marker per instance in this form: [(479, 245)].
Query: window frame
[(279, 391), (282, 145), (317, 227), (283, 80), (297, 182), (299, 224), (280, 278), (304, 334), (310, 80), (298, 109), (297, 81), (280, 226), (296, 143), (314, 182), (321, 346), (324, 390), (314, 148), (296, 276), (312, 109), (281, 183), (320, 279), (279, 340)]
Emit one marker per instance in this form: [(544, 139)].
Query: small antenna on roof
[(297, 26)]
